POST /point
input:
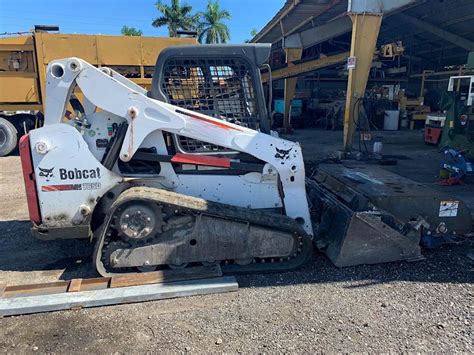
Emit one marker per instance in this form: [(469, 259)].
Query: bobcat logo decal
[(282, 153), (46, 173)]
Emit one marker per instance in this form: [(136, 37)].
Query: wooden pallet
[(82, 293)]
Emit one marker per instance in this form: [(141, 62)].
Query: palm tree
[(211, 28), (253, 33), (176, 17), (131, 31)]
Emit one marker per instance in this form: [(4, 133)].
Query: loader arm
[(111, 92)]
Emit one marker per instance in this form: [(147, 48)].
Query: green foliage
[(253, 33), (209, 24), (176, 17), (131, 31), (211, 27)]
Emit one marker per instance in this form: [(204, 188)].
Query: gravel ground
[(422, 307), (419, 307)]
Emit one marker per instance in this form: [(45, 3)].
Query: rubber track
[(200, 206)]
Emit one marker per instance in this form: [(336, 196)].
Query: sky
[(108, 16)]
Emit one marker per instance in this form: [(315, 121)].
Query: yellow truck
[(23, 62)]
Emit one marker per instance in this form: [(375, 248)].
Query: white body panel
[(147, 118), (62, 190), (244, 191)]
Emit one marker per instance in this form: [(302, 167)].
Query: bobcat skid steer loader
[(180, 175), (189, 173)]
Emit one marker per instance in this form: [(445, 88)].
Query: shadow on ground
[(21, 252), (447, 264)]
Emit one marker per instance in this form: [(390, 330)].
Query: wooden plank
[(198, 272), (101, 283), (98, 283), (74, 285), (36, 289), (111, 296)]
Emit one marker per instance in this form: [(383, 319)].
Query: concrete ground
[(416, 307)]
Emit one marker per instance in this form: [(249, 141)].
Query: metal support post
[(292, 54), (365, 30)]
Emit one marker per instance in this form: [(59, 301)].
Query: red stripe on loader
[(29, 178), (68, 187), (205, 119), (200, 160)]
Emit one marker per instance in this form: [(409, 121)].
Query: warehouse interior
[(344, 100), (420, 45)]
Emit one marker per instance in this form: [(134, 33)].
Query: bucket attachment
[(363, 214), (368, 240), (353, 238)]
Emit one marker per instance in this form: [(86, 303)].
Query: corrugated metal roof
[(455, 16), (293, 14)]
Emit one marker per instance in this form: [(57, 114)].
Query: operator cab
[(222, 81)]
